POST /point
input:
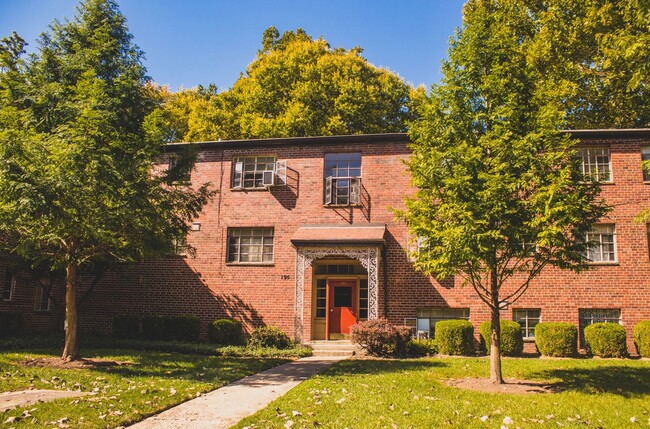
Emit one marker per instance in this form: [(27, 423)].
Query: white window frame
[(342, 181), (11, 281), (602, 235), (596, 164), (645, 156), (524, 316), (40, 300), (259, 241), (589, 316), (248, 171)]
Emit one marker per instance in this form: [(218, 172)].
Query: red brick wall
[(264, 294)]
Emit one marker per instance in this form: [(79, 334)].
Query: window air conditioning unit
[(268, 178), (277, 177)]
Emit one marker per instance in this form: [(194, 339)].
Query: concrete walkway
[(226, 406)]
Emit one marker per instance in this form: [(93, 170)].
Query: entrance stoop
[(333, 348)]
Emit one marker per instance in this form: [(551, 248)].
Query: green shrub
[(512, 340), (455, 337), (154, 328), (184, 328), (226, 331), (606, 340), (269, 337), (10, 324), (557, 339), (421, 347), (642, 338), (126, 326), (381, 338)]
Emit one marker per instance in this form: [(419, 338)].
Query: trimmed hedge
[(226, 331), (269, 336), (381, 338), (10, 324), (154, 328), (184, 328), (512, 340), (606, 340), (455, 337), (421, 347), (126, 326), (642, 338), (558, 339)]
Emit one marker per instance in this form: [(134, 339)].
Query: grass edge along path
[(593, 393), (152, 382)]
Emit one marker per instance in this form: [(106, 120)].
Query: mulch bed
[(55, 362), (512, 385)]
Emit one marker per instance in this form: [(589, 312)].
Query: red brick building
[(302, 235)]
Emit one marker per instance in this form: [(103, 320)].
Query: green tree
[(78, 182), (298, 86), (595, 58), (499, 195)]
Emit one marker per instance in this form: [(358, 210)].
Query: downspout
[(384, 258)]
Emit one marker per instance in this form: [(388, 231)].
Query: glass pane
[(342, 296)]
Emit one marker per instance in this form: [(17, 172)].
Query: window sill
[(338, 206), (7, 301), (250, 264), (529, 340), (262, 189), (603, 264)]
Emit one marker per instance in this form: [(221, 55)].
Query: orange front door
[(342, 312)]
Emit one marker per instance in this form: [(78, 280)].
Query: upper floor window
[(596, 164), (9, 286), (602, 244), (247, 245), (645, 156), (343, 178), (253, 172)]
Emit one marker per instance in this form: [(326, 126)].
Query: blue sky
[(188, 43)]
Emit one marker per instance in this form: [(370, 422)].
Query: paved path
[(226, 406)]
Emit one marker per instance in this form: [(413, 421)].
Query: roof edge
[(604, 133), (288, 141)]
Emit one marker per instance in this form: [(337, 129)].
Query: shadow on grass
[(197, 368), (371, 366), (624, 381)]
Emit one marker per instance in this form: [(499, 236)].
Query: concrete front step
[(333, 348)]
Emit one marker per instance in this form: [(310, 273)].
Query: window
[(246, 245), (9, 286), (602, 244), (178, 177), (363, 298), (589, 316), (339, 269), (527, 318), (42, 299), (343, 178), (253, 172), (434, 315), (180, 246), (647, 227), (595, 164), (645, 156), (321, 298)]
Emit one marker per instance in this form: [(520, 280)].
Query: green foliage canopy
[(296, 86), (77, 181), (499, 196)]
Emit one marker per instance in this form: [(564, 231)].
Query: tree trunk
[(71, 347), (495, 334)]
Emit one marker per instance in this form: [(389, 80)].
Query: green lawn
[(124, 394), (409, 394)]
